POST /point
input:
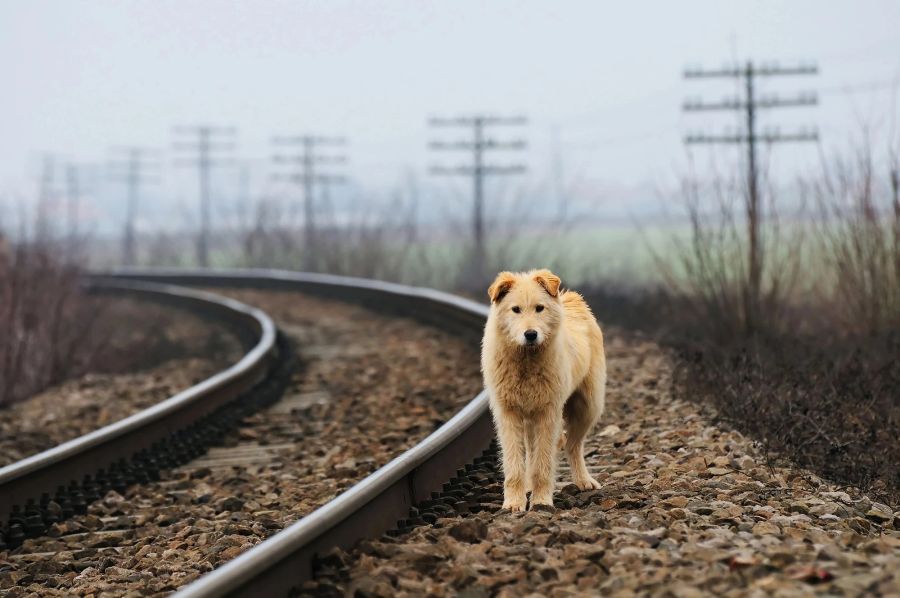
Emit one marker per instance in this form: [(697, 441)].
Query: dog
[(544, 368)]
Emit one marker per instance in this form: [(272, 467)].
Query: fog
[(600, 83)]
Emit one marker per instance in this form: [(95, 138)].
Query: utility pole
[(46, 192), (129, 166), (76, 187), (73, 197), (244, 185), (750, 104), (478, 144), (412, 187), (895, 200), (207, 141), (304, 162), (562, 199)]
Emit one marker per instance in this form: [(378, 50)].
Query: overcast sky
[(81, 76)]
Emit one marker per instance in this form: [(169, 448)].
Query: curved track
[(684, 507), (376, 504), (134, 448), (178, 429)]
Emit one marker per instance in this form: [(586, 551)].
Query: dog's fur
[(537, 388)]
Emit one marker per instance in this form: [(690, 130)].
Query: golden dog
[(544, 367)]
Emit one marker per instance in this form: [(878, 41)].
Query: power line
[(478, 169), (130, 165), (862, 87), (750, 104), (207, 140), (304, 170)]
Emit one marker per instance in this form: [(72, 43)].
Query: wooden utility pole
[(751, 104), (207, 140), (478, 144), (43, 229), (895, 200), (73, 198), (559, 191), (80, 180), (130, 165), (304, 165)]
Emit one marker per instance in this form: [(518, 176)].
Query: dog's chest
[(527, 386)]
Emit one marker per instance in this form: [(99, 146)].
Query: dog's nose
[(531, 335)]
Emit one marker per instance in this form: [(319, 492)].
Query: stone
[(230, 503), (687, 507), (879, 513), (469, 530), (764, 528)]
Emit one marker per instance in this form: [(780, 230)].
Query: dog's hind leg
[(580, 414)]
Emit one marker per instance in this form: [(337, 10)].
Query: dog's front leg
[(545, 434), (511, 431), (529, 456)]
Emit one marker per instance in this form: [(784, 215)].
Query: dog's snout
[(531, 335)]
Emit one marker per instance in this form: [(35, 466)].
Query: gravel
[(367, 387), (687, 508), (151, 352)]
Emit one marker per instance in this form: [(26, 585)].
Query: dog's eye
[(516, 309), (539, 308)]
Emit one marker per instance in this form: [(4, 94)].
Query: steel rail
[(376, 503), (43, 472)]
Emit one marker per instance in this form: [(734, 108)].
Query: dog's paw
[(587, 484), (542, 503), (513, 506)]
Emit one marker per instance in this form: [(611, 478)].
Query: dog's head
[(526, 306)]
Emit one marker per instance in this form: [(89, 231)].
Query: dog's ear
[(548, 280), (501, 286)]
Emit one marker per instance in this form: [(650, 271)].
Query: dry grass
[(817, 380), (859, 239), (708, 272), (44, 320)]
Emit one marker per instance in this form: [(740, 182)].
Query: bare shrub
[(519, 237), (708, 269), (380, 243), (816, 380), (166, 249), (522, 239), (858, 235), (44, 319), (827, 405), (260, 235)]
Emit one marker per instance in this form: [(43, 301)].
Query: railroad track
[(685, 506), (134, 449), (372, 506)]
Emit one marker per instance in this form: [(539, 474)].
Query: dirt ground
[(687, 508)]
